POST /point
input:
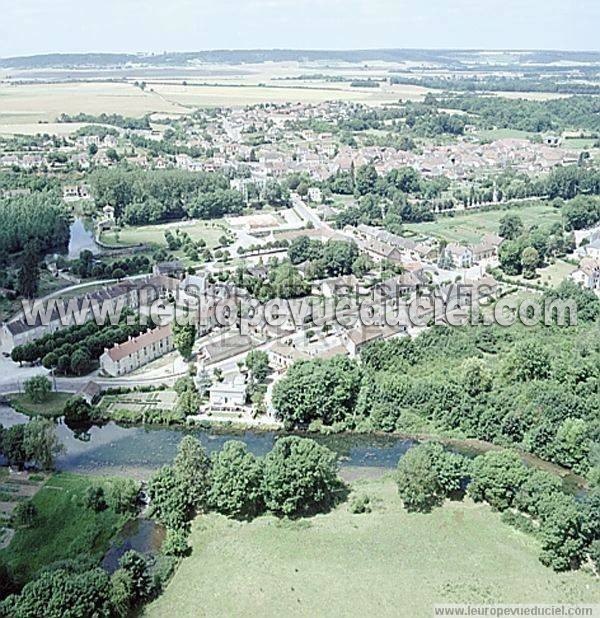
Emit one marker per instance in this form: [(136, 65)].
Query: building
[(228, 395), (90, 392), (126, 357), (588, 274), (169, 269), (461, 257), (315, 195)]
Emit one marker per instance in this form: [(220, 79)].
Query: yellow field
[(28, 104)]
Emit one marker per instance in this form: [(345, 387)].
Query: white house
[(228, 395)]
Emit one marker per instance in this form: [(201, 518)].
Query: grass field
[(210, 231), (64, 527), (28, 104), (470, 227), (51, 408), (551, 276), (385, 563), (494, 134)]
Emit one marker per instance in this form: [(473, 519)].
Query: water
[(142, 535), (137, 452), (82, 237)]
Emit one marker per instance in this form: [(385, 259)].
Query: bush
[(360, 504), (175, 543), (94, 498), (25, 514), (77, 411)]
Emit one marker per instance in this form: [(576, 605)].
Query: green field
[(154, 235), (385, 563), (53, 406), (64, 527), (494, 134), (470, 227)]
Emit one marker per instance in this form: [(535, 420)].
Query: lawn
[(385, 563), (210, 231), (470, 227), (64, 527), (52, 407)]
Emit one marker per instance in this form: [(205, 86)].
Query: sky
[(69, 26)]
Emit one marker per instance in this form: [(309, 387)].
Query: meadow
[(53, 406), (385, 563), (64, 527), (154, 235), (470, 227)]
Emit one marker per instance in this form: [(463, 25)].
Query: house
[(126, 357), (360, 336), (169, 269), (90, 392), (283, 355), (592, 250), (588, 274), (461, 257), (228, 395), (315, 195)]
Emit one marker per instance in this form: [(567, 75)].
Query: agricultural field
[(28, 105), (341, 564), (64, 528), (470, 227), (154, 235)]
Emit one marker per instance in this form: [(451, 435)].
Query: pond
[(142, 535), (82, 237)]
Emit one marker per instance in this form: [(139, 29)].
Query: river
[(82, 237), (115, 450), (111, 449)]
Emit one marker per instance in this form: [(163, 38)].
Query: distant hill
[(457, 58)]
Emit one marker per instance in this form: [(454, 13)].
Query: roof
[(90, 388), (133, 345)]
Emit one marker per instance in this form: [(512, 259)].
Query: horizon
[(155, 26)]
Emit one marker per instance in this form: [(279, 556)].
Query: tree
[(29, 273), (257, 362), (94, 498), (192, 466), (80, 362), (13, 445), (529, 360), (122, 495), (321, 389), (41, 443), (77, 411), (497, 476), (135, 565), (300, 477), (476, 377), (529, 261), (427, 474), (561, 532), (38, 388), (63, 592), (511, 227), (188, 402), (236, 482), (175, 543), (509, 255), (168, 500), (184, 336)]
